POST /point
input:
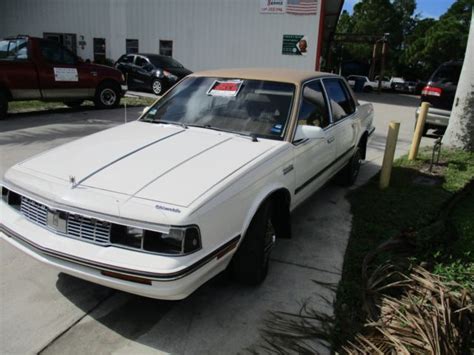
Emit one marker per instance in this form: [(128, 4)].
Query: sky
[(426, 8)]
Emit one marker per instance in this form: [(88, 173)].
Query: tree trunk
[(460, 130)]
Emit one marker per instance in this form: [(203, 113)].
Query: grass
[(35, 105), (406, 208)]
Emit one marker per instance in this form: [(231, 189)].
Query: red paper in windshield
[(225, 88)]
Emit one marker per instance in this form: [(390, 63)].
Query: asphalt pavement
[(42, 311)]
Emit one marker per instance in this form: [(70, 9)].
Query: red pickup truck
[(38, 69)]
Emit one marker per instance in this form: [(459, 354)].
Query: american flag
[(302, 7)]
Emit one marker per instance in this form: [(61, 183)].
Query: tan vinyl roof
[(271, 74)]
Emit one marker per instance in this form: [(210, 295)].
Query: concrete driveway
[(43, 311)]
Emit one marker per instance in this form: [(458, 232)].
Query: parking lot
[(42, 311)]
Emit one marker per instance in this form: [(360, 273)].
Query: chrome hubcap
[(156, 87), (108, 97)]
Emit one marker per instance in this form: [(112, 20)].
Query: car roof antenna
[(254, 138)]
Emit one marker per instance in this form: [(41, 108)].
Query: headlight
[(178, 241)]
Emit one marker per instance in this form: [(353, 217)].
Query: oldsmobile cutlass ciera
[(203, 181)]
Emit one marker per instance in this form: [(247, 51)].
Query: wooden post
[(382, 65), (372, 64), (389, 154), (420, 125)]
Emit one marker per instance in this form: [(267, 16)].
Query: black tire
[(350, 172), (107, 96), (3, 105), (367, 88), (250, 263), (73, 104), (157, 87)]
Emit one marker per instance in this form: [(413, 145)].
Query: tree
[(460, 131)]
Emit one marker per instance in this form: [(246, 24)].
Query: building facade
[(201, 34)]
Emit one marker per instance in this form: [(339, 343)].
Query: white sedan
[(203, 181)]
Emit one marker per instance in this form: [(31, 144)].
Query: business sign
[(272, 6), (294, 45)]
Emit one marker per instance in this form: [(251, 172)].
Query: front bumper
[(436, 117), (148, 275)]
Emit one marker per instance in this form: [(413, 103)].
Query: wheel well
[(281, 219), (111, 82), (363, 144), (7, 92)]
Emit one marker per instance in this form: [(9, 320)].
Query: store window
[(131, 46), (166, 48), (99, 50)]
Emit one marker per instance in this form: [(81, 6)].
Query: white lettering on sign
[(66, 74)]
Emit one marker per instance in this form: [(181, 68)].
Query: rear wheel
[(367, 88), (74, 104), (250, 263), (3, 105), (351, 170), (107, 96)]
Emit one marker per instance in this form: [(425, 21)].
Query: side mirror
[(145, 109), (309, 132)]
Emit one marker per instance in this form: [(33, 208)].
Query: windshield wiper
[(181, 124), (208, 126)]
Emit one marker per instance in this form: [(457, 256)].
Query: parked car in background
[(440, 92), (386, 83), (397, 84), (38, 69), (151, 72), (368, 85), (204, 181), (410, 87)]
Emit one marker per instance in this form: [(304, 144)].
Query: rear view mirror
[(309, 132)]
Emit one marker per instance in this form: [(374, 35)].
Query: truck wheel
[(73, 104), (3, 105), (250, 263), (350, 172), (157, 87), (107, 96)]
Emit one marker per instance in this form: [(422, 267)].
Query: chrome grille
[(88, 229), (77, 226), (34, 211)]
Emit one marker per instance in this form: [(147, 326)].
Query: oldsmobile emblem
[(169, 209)]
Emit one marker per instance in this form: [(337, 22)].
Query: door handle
[(330, 140)]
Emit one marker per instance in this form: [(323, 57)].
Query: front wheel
[(157, 87), (3, 105), (107, 96), (250, 263), (351, 170)]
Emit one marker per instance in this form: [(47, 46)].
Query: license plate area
[(57, 221)]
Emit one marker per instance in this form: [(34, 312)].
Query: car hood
[(158, 162), (179, 72)]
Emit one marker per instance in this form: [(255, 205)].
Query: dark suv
[(151, 71), (439, 92)]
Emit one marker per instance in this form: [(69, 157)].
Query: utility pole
[(460, 130), (372, 63), (382, 65)]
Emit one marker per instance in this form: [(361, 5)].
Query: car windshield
[(248, 107), (447, 74), (166, 62)]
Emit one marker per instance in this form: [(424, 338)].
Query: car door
[(124, 64), (343, 112), (141, 73), (313, 157), (62, 75)]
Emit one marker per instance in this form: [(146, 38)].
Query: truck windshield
[(249, 107)]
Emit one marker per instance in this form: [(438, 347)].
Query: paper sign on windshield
[(225, 88)]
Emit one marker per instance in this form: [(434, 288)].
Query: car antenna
[(254, 137)]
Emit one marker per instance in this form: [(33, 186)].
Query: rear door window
[(447, 74), (54, 53), (341, 102)]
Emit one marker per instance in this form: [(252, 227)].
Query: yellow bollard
[(389, 154), (420, 124)]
